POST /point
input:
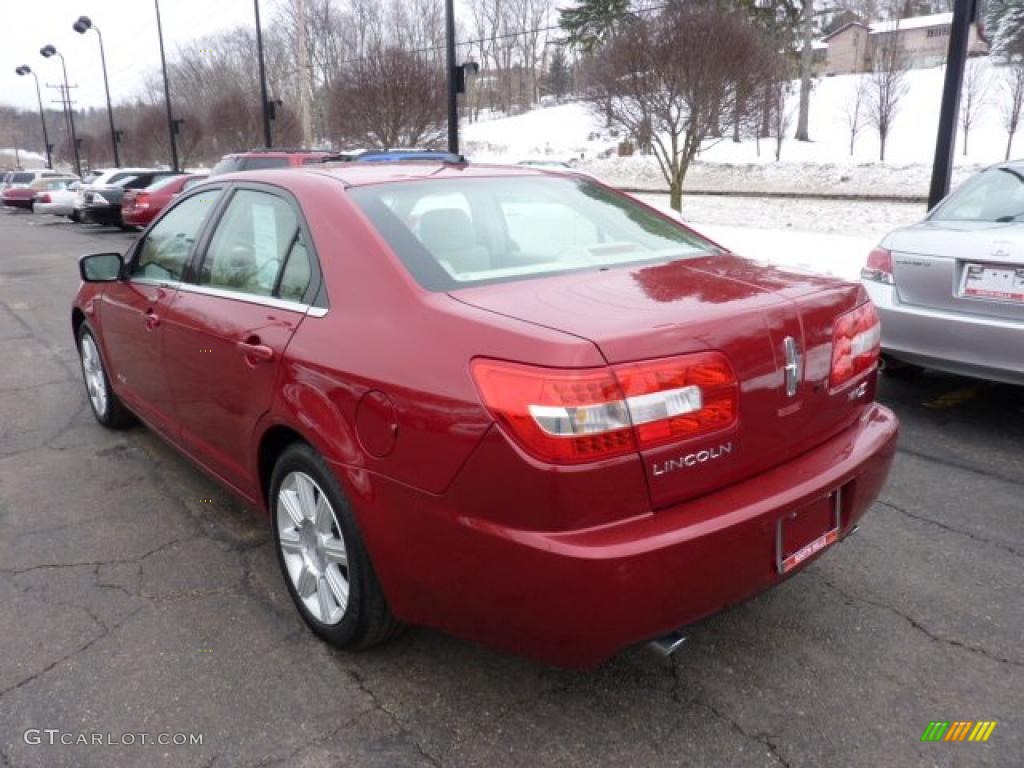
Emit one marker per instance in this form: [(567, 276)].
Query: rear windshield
[(452, 233), (22, 178), (161, 182), (236, 163), (993, 195)]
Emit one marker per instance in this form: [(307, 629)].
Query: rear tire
[(323, 559), (106, 406)]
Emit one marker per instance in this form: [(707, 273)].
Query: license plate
[(802, 534), (984, 281)]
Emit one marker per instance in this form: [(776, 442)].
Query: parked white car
[(58, 199)]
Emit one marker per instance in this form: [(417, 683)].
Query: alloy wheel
[(312, 547), (95, 381)]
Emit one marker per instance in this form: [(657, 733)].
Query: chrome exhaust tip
[(666, 645)]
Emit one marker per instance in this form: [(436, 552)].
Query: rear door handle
[(255, 352), (152, 319)]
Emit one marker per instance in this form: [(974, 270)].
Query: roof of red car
[(361, 174)]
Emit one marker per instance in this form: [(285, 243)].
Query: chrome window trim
[(248, 298)]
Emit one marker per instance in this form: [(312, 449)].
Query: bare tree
[(854, 111), (887, 86), (389, 98), (1013, 87), (673, 74), (974, 99)]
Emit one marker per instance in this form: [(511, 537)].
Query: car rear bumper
[(137, 217), (968, 345), (52, 209), (23, 203), (575, 598), (101, 214)]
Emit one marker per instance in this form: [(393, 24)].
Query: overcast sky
[(129, 35)]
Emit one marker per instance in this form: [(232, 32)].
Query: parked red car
[(140, 206), (513, 405)]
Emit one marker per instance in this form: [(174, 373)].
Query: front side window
[(996, 195), (459, 232), (163, 255), (253, 239)]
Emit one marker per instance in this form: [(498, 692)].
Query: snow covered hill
[(571, 131)]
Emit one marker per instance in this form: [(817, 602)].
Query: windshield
[(452, 233), (995, 195)]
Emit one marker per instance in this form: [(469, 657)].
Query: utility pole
[(67, 105), (305, 75), (268, 138), (964, 14), (171, 130), (453, 97)]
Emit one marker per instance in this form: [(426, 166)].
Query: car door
[(228, 327), (132, 310)]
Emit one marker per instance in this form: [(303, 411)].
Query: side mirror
[(100, 267)]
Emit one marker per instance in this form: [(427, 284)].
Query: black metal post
[(267, 136), (71, 116), (42, 119), (956, 60), (167, 90), (27, 70), (453, 98), (110, 108)]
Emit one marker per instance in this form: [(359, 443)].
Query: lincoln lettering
[(692, 459)]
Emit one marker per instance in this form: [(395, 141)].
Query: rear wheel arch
[(273, 443)]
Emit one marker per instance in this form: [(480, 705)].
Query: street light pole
[(46, 52), (167, 89), (26, 70), (83, 25), (268, 138), (453, 99)]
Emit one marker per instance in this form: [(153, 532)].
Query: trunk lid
[(724, 303), (930, 261)]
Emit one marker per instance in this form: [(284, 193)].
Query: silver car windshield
[(453, 233), (995, 195)]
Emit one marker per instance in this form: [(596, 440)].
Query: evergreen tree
[(1005, 25), (559, 76), (591, 23)]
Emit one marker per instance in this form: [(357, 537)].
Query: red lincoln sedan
[(511, 404)]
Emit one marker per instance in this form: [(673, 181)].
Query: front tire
[(106, 406), (322, 556)]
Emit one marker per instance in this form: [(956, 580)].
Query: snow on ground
[(572, 131), (28, 160), (831, 237)]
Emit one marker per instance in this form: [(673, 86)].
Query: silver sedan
[(950, 290)]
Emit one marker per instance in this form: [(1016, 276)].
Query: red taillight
[(856, 342), (43, 198), (578, 415), (878, 267)]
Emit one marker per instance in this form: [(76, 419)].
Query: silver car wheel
[(312, 547), (95, 381)]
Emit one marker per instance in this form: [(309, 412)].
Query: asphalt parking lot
[(137, 596)]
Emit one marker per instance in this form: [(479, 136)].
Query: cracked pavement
[(129, 604)]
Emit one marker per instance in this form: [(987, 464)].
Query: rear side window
[(298, 271), (251, 244), (164, 253)]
